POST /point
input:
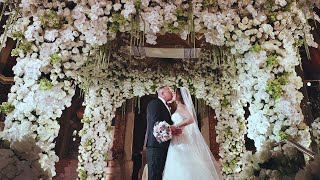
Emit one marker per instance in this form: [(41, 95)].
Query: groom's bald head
[(165, 93)]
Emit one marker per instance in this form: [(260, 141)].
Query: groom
[(158, 111)]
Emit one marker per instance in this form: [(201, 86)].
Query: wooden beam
[(6, 80), (175, 53), (311, 80)]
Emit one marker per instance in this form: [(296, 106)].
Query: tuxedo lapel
[(165, 105)]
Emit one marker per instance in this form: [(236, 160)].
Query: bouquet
[(162, 131)]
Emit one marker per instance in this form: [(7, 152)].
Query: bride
[(188, 156)]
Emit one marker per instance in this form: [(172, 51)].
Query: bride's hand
[(175, 131)]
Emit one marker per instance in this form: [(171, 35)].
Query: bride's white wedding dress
[(189, 158)]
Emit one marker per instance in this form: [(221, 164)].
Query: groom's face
[(167, 94)]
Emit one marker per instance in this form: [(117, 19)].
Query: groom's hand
[(175, 131)]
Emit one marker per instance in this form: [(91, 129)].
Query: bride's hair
[(179, 96)]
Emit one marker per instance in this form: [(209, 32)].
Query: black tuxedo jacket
[(157, 112)]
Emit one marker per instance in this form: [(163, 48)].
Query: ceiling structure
[(311, 67)]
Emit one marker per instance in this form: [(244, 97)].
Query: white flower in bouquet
[(90, 168), (88, 19), (49, 102), (247, 172), (241, 45), (259, 141)]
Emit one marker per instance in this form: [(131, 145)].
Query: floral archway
[(62, 44), (110, 92)]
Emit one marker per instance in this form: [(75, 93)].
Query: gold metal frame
[(299, 147)]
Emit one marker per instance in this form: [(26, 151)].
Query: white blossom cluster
[(36, 109), (231, 128), (270, 150), (55, 39), (271, 115), (96, 134), (270, 83), (251, 161)]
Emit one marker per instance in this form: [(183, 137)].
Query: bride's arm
[(187, 118)]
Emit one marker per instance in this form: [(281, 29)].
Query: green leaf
[(45, 84), (272, 60), (283, 135), (55, 58), (105, 156), (210, 3), (51, 19), (17, 35), (255, 48), (15, 52), (6, 107), (85, 120), (83, 174), (224, 102), (137, 4)]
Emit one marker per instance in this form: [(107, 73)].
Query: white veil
[(200, 149)]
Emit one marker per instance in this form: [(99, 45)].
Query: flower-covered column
[(270, 83), (96, 134), (231, 127), (33, 105), (48, 56)]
